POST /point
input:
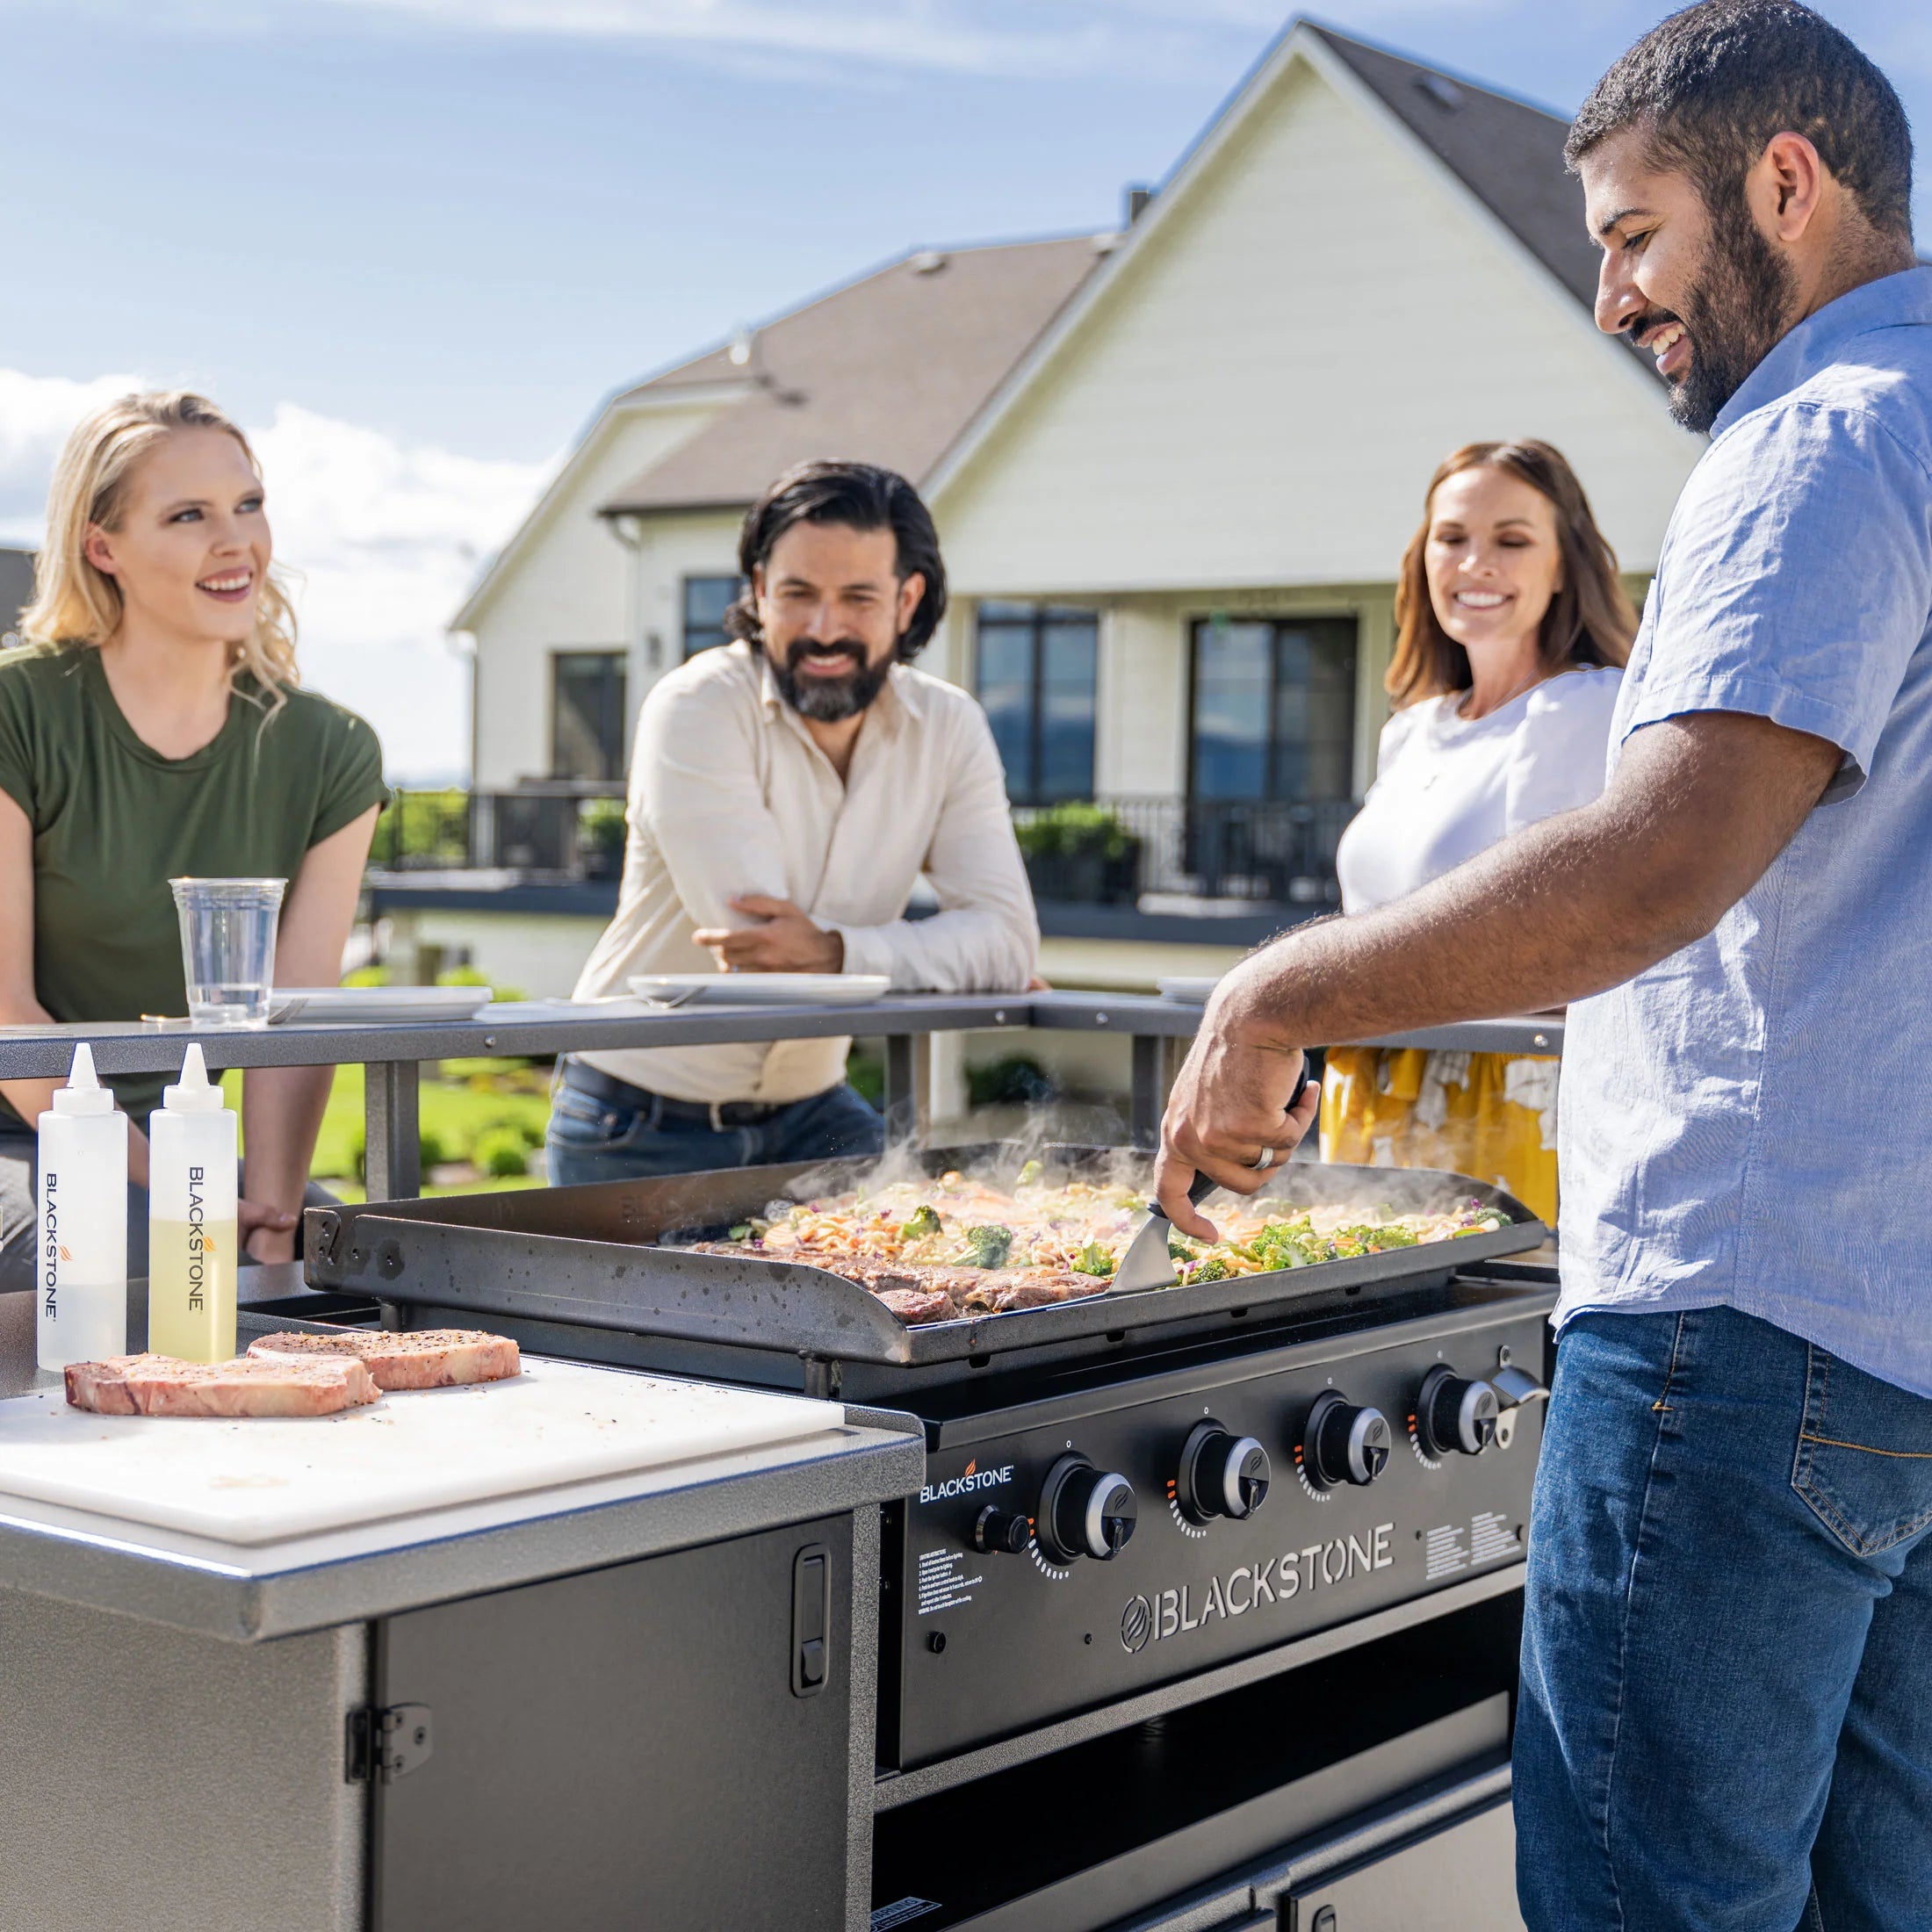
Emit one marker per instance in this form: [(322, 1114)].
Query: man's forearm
[(1562, 909)]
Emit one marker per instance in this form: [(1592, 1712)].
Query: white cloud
[(382, 538)]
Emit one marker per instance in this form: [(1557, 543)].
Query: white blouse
[(1447, 787)]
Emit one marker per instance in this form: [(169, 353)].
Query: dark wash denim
[(592, 1139), (1726, 1716)]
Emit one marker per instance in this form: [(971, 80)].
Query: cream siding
[(1260, 393), (565, 589)]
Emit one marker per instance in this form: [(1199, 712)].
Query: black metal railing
[(558, 829), (1111, 850), (1122, 850)]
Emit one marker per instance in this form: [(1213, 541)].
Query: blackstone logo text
[(50, 1247), (1321, 1566), (975, 1478)]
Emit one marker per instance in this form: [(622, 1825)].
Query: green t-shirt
[(113, 821)]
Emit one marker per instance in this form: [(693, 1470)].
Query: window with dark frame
[(587, 689), (1035, 680), (1273, 712), (706, 599)]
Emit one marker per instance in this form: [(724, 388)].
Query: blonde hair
[(77, 605)]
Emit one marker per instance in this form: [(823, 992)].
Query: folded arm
[(1699, 807)]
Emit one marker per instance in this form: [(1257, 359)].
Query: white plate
[(764, 989), (357, 1004), (1189, 993)]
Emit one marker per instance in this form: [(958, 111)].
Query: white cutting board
[(263, 1479)]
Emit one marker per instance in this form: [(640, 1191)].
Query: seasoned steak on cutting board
[(158, 1385), (429, 1359)]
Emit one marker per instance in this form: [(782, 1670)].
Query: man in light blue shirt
[(1726, 1715)]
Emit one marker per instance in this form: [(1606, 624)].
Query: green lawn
[(467, 1108)]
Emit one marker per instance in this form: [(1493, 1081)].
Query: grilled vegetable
[(1095, 1259), (990, 1246), (1029, 1174), (1213, 1269), (922, 1221)]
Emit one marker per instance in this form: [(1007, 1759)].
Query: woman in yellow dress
[(1512, 631)]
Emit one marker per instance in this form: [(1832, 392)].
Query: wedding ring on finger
[(1265, 1160)]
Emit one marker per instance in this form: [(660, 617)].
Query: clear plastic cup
[(227, 947)]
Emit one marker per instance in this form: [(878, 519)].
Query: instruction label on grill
[(940, 1584), (1451, 1547), (901, 1911)]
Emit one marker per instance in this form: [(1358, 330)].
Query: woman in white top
[(1513, 627)]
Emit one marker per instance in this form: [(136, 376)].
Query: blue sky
[(414, 242)]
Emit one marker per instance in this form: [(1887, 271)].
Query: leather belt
[(720, 1116)]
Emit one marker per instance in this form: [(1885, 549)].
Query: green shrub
[(500, 1152), (1017, 1080), (867, 1073), (1073, 830), (601, 825), (432, 1149)]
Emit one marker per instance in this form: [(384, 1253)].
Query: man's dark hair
[(860, 496), (1712, 85)]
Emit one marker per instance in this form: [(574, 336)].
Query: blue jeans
[(1726, 1716), (593, 1138)]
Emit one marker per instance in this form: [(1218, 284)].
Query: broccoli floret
[(1029, 1174), (1213, 1269), (990, 1245), (922, 1221), (1286, 1244), (1095, 1259), (1179, 1248)]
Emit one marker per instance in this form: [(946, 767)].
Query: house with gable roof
[(1174, 469)]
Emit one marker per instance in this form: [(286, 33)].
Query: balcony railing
[(1162, 853), (559, 830), (1127, 851)]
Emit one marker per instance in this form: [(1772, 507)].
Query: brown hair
[(1590, 619)]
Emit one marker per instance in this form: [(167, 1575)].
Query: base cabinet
[(665, 1743)]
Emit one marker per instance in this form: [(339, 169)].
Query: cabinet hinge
[(387, 1743)]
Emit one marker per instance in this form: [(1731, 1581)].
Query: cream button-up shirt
[(730, 795)]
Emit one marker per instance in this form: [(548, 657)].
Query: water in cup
[(227, 947)]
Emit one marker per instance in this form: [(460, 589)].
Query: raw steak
[(429, 1359), (158, 1385)]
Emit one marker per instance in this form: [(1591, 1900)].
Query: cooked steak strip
[(158, 1385), (429, 1359), (913, 1306)]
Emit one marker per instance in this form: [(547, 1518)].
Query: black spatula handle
[(1203, 1185)]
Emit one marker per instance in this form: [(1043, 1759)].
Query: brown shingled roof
[(889, 370)]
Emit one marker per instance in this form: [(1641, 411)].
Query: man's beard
[(1741, 308), (828, 699)]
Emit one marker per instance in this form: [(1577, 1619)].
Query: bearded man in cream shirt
[(786, 792)]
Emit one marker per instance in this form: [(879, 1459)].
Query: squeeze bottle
[(192, 1246), (81, 1245)]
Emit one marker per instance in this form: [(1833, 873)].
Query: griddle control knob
[(1453, 1416), (1221, 1474), (1344, 1443), (1084, 1511), (997, 1529)]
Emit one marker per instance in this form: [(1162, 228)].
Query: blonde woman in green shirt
[(152, 726)]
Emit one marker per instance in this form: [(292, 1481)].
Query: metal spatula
[(1147, 1263)]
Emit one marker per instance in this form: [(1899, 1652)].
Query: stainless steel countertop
[(348, 1576), (310, 1582)]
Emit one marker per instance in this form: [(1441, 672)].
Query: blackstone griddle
[(597, 1257), (1204, 1570)]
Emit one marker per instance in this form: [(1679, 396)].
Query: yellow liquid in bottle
[(190, 1289)]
